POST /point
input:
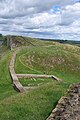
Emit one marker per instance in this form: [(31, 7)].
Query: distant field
[(71, 42), (41, 58)]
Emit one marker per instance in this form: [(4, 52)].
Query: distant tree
[(0, 35)]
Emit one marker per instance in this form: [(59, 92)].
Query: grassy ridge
[(60, 60), (25, 41)]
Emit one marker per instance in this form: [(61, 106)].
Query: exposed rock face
[(68, 107)]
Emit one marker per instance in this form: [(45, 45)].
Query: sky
[(49, 19)]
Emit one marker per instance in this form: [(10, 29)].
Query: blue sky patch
[(56, 8)]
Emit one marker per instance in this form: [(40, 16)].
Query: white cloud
[(38, 19)]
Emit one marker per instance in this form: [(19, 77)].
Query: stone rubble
[(68, 107)]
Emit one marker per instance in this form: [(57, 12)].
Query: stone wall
[(18, 86), (68, 107), (10, 43), (38, 76)]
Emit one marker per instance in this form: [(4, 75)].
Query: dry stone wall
[(38, 76), (18, 86), (68, 107)]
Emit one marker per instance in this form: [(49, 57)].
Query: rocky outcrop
[(68, 107)]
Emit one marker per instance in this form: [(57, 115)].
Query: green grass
[(6, 88), (36, 81), (35, 105), (60, 60)]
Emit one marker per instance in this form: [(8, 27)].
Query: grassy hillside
[(26, 41), (60, 60), (6, 88), (41, 58), (34, 105)]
